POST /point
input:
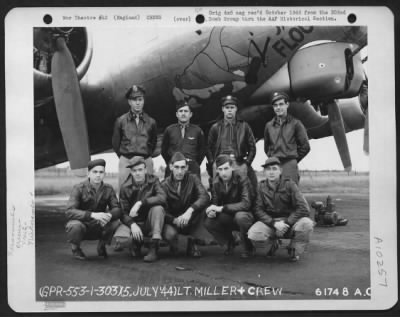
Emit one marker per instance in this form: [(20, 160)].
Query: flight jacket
[(285, 201), (192, 146), (131, 140), (246, 143), (192, 194), (236, 198), (84, 200), (150, 194), (286, 141)]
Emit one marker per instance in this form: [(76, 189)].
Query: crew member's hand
[(135, 209), (211, 211), (184, 219), (136, 232), (102, 217), (281, 228), (175, 222)]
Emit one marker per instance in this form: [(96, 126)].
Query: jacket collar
[(132, 116), (280, 184), (149, 179), (234, 180), (288, 118), (223, 121), (170, 180), (231, 122), (90, 186)]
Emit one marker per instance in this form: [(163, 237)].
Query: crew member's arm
[(125, 208), (262, 208), (168, 217), (202, 197), (126, 219), (153, 136), (300, 203), (267, 141), (199, 204), (158, 197), (113, 205), (201, 147), (116, 137), (303, 146), (73, 211), (251, 144), (244, 203), (165, 146), (212, 139)]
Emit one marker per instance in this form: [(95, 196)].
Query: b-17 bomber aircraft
[(81, 76)]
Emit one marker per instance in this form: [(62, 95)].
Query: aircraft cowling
[(321, 72), (326, 71), (44, 49)]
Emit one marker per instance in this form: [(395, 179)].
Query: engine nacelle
[(326, 70), (320, 72), (80, 45)]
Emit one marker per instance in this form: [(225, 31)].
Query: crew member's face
[(272, 172), (229, 111), (184, 114), (136, 104), (225, 171), (178, 169), (280, 107), (139, 173), (96, 174)]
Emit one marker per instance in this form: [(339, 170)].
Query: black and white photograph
[(193, 159)]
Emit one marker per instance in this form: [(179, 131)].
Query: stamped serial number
[(343, 291)]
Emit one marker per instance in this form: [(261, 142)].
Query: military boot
[(248, 248), (101, 249), (153, 249), (191, 249), (135, 249)]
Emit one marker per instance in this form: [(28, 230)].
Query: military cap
[(182, 103), (136, 160), (222, 159), (135, 91), (178, 156), (278, 95), (98, 162), (229, 100), (271, 161)]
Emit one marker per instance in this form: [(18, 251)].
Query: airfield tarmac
[(336, 265)]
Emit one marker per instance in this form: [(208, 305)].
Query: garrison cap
[(229, 100), (182, 103), (136, 160), (178, 156), (222, 159), (98, 162), (271, 161), (135, 91), (278, 95)]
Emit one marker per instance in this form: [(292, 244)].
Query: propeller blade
[(364, 105), (366, 134), (339, 134), (69, 106)]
